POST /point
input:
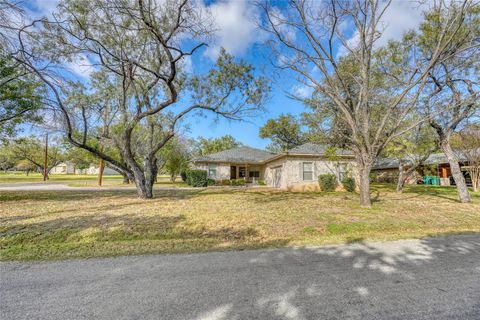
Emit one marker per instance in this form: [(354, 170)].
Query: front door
[(242, 172), (233, 172)]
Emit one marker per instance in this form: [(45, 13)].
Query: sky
[(238, 33)]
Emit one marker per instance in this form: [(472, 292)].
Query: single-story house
[(297, 168), (68, 168), (386, 169)]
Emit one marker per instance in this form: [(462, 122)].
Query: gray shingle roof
[(435, 158), (317, 149), (240, 154)]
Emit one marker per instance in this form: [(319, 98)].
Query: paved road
[(435, 278), (60, 186)]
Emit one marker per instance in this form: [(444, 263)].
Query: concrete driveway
[(433, 278)]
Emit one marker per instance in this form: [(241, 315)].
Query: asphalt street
[(432, 278)]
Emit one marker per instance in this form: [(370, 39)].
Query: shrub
[(238, 182), (210, 182), (224, 182), (327, 182), (349, 184), (183, 175), (197, 178), (261, 183)]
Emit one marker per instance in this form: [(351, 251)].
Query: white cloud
[(81, 66), (278, 21), (236, 27), (187, 64), (400, 17), (303, 91)]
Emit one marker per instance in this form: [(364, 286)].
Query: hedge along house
[(297, 168)]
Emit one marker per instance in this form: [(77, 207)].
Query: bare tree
[(374, 90), (140, 48), (453, 90)]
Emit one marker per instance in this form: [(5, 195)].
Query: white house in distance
[(297, 168), (68, 168)]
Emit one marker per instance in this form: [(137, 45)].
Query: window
[(212, 170), (254, 174), (342, 171), (307, 171), (241, 172)]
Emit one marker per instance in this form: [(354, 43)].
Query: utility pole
[(104, 129), (45, 159)]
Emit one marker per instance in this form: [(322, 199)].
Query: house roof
[(239, 154), (317, 149), (246, 154), (434, 158)]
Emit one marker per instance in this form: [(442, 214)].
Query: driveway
[(433, 278)]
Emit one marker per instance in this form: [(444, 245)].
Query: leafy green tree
[(20, 96), (284, 131), (26, 166), (177, 158), (411, 150), (33, 150), (79, 158), (139, 48), (7, 158), (212, 145)]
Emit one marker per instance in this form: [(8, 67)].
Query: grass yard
[(20, 177), (79, 180), (67, 224)]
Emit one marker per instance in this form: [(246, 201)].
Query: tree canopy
[(139, 50), (285, 132), (206, 146)]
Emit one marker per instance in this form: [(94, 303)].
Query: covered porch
[(250, 172)]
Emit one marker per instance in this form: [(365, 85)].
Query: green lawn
[(65, 224)]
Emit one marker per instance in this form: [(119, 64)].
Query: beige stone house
[(297, 168)]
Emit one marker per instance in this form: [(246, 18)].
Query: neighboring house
[(297, 168), (386, 169), (69, 168)]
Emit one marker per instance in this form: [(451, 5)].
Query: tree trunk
[(126, 178), (475, 177), (144, 186), (145, 179), (462, 188), (364, 177), (401, 176)]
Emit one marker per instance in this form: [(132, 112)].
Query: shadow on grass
[(404, 280)]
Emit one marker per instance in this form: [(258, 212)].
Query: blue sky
[(236, 22)]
